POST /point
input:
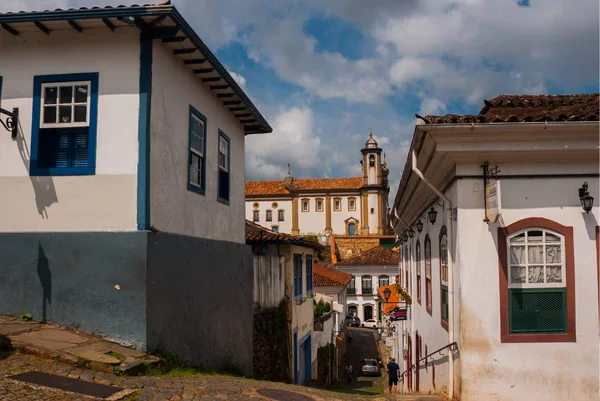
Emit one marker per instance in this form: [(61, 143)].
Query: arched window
[(367, 286), (384, 280), (537, 293), (444, 276), (372, 161), (351, 289), (418, 268), (427, 245)]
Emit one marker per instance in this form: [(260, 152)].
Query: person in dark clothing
[(393, 370)]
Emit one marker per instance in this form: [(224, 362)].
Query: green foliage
[(83, 363), (171, 366), (321, 308), (311, 238), (25, 317), (117, 355)]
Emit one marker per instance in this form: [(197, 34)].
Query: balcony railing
[(351, 291), (367, 291)]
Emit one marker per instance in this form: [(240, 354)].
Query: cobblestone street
[(149, 388)]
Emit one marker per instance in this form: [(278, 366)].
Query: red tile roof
[(378, 255), (324, 276), (528, 108), (258, 233), (302, 184)]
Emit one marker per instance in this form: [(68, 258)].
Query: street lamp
[(432, 215), (587, 201), (411, 233), (386, 294), (419, 225)]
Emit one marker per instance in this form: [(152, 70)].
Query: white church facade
[(349, 206)]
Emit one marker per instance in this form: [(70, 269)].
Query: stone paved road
[(202, 388)]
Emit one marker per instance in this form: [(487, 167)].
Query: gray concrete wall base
[(200, 300), (94, 281)]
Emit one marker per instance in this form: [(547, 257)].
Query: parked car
[(371, 324), (370, 367), (352, 321)]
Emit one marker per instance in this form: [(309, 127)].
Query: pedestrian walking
[(379, 332), (393, 369), (349, 371)]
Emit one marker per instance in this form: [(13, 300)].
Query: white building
[(296, 269), (370, 269), (508, 272), (127, 169), (325, 206)]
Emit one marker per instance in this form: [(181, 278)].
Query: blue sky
[(324, 72)]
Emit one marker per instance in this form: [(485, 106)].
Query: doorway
[(408, 365), (351, 229), (352, 310), (295, 358), (368, 312), (417, 359)]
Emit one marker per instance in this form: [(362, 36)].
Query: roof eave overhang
[(250, 118), (514, 139)]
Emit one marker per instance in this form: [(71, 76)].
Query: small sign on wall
[(398, 314), (318, 326), (390, 341), (492, 201)]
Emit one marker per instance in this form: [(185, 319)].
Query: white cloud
[(432, 106), (241, 81), (292, 141)]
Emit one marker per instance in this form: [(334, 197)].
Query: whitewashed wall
[(107, 200), (429, 327), (285, 226), (269, 280), (552, 371), (373, 217), (338, 219), (173, 207)]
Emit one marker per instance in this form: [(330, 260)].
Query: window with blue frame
[(64, 124), (297, 276), (309, 274), (223, 195), (197, 151)]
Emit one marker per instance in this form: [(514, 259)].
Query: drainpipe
[(448, 210)]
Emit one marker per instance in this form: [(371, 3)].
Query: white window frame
[(223, 154), (198, 152), (351, 204), (444, 259), (543, 244), (339, 202), (58, 85)]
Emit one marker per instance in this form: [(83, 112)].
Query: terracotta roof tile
[(528, 108), (257, 233), (302, 184), (324, 276), (375, 256)]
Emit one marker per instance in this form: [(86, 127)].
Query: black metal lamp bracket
[(12, 121)]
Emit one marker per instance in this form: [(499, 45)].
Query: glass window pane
[(518, 239), (80, 114), (49, 114), (196, 143), (66, 94), (553, 254), (535, 274), (554, 274), (64, 114), (552, 238), (81, 94), (535, 254), (50, 95), (194, 175), (517, 255), (535, 236), (517, 274)]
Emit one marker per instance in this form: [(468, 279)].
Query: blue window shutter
[(80, 149)]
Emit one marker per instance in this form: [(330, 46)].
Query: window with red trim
[(418, 268), (444, 276), (427, 245), (537, 282)]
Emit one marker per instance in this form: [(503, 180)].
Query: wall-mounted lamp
[(432, 214), (587, 201), (411, 233), (386, 294), (405, 237), (419, 225)]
